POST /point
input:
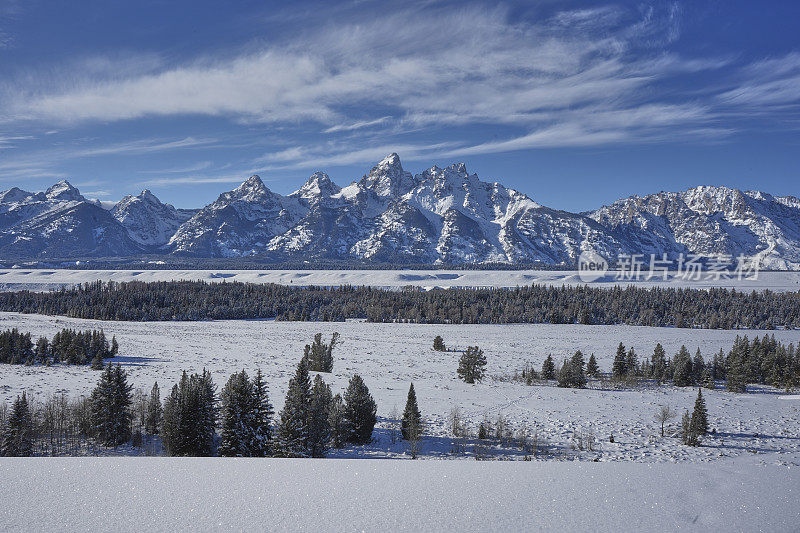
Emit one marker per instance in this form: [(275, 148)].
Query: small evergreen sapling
[(412, 418), (700, 414)]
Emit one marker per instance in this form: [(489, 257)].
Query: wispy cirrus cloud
[(768, 83), (144, 146), (201, 179), (581, 77), (485, 66), (357, 125)]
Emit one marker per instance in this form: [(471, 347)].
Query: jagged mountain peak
[(146, 194), (318, 185), (440, 215), (14, 194), (64, 191), (388, 178)]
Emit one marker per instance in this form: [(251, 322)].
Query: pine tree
[(293, 430), (620, 369), (736, 372), (97, 362), (707, 379), (319, 425), (698, 367), (565, 374), (591, 367), (631, 363), (359, 411), (237, 416), (471, 365), (682, 368), (658, 363), (412, 418), (577, 377), (190, 416), (261, 433), (110, 407), (155, 412), (17, 438), (337, 422), (549, 368), (700, 414), (208, 413), (42, 351), (318, 355), (438, 344), (688, 431)]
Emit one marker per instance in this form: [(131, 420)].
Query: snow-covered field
[(40, 280), (390, 356), (173, 494)]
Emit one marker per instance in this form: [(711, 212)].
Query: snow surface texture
[(44, 280), (442, 215), (160, 494), (390, 356)]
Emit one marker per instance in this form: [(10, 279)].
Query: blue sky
[(574, 103)]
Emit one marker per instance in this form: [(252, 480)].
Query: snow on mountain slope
[(441, 215), (59, 223), (148, 221), (709, 221), (240, 222)]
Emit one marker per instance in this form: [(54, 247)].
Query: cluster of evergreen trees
[(197, 300), (312, 421), (68, 346), (760, 361)]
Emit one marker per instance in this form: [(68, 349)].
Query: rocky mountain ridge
[(441, 215)]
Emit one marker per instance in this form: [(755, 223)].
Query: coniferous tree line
[(196, 300), (763, 361), (68, 346), (193, 419)]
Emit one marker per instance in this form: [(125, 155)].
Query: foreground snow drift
[(161, 494)]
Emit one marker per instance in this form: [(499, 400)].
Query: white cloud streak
[(579, 78)]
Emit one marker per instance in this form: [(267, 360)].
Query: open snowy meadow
[(765, 422), (744, 477)]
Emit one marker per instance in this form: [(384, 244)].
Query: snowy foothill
[(391, 356), (49, 279), (216, 494)]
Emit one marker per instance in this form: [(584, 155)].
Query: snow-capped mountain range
[(442, 215)]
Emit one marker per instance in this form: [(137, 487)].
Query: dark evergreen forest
[(197, 300)]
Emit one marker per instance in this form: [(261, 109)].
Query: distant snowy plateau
[(442, 215)]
